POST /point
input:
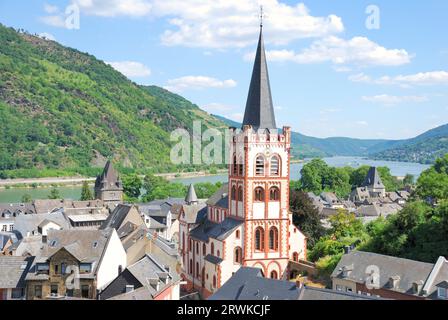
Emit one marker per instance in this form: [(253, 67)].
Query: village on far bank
[(254, 238)]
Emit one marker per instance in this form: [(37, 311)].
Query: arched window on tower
[(275, 166), (233, 193), (238, 255), (259, 166), (212, 249), (274, 194), (274, 274), (204, 249), (273, 239), (240, 193), (259, 194), (295, 257), (259, 239)]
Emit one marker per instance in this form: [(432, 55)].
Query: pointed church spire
[(191, 197), (259, 107)]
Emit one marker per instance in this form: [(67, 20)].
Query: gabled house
[(146, 279), (12, 280), (390, 277), (75, 263)]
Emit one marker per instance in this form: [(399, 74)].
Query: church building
[(247, 222), (108, 186)]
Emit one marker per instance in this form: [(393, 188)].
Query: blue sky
[(330, 74)]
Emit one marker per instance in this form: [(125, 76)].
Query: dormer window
[(441, 293), (85, 268)]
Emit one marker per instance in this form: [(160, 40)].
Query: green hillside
[(425, 148), (61, 108)]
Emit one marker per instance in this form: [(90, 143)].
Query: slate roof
[(194, 213), (373, 179), (213, 259), (220, 198), (29, 223), (108, 179), (13, 271), (85, 245), (191, 196), (116, 218), (218, 231), (17, 208), (144, 271), (249, 284), (259, 107), (437, 278), (311, 293), (409, 271)]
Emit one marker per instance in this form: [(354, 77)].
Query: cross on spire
[(262, 16)]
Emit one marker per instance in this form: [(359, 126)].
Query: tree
[(26, 198), (345, 224), (306, 216), (433, 183), (132, 185), (54, 194), (86, 193), (409, 180)]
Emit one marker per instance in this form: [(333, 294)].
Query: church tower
[(259, 180), (108, 186)]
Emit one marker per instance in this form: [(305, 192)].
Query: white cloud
[(131, 69), (362, 123), (393, 100), (47, 36), (422, 78), (197, 83), (358, 51), (50, 8), (234, 23), (54, 21), (113, 8)]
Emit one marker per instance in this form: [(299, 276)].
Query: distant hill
[(424, 148), (61, 108)]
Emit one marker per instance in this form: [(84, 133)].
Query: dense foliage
[(417, 232), (63, 109), (305, 216), (317, 176)]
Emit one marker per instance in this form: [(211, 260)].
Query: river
[(73, 192)]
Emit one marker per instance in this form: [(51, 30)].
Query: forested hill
[(424, 148), (61, 108)]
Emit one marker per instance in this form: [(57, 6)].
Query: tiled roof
[(13, 271), (218, 231), (408, 271)]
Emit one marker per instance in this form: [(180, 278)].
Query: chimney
[(154, 282), (394, 282), (417, 286), (347, 271)]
